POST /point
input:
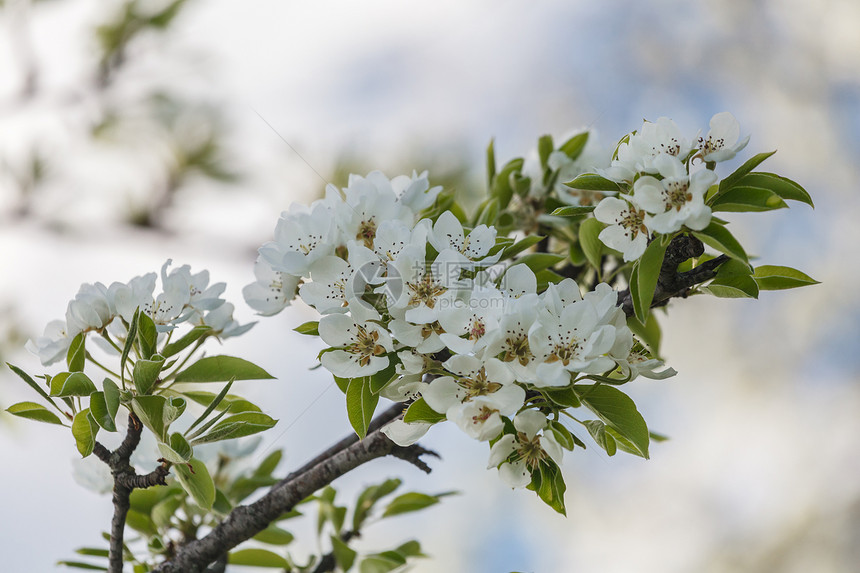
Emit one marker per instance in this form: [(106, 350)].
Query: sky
[(763, 416)]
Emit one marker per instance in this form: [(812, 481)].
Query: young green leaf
[(147, 335), (748, 166), (617, 410), (520, 246), (101, 412), (743, 198), (221, 369), (129, 343), (420, 411), (310, 328), (197, 482), (368, 498), (412, 501), (67, 384), (573, 147), (646, 277), (782, 186), (145, 373), (212, 405), (539, 261), (572, 211), (177, 450), (150, 411), (718, 237), (772, 277), (343, 554), (597, 429), (591, 245), (237, 426), (491, 164), (360, 404), (76, 357), (274, 535), (593, 182), (34, 411), (32, 384), (111, 392), (187, 340), (84, 430)]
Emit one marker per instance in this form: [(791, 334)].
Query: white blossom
[(273, 290), (626, 230), (517, 455), (722, 142), (677, 199)]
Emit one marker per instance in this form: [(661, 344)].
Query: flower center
[(711, 145), (633, 222), (477, 328), (529, 450), (677, 194), (367, 232), (365, 346), (478, 385), (483, 415), (564, 351), (426, 290), (518, 349)]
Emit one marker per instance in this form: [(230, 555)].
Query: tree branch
[(125, 480), (246, 521), (671, 283)]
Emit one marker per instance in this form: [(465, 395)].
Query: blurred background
[(136, 131)]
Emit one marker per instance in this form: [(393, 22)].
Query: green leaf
[(258, 558), (410, 549), (274, 535), (593, 182), (562, 435), (733, 287), (621, 442), (381, 379), (491, 164), (34, 411), (237, 426), (488, 213), (502, 189), (368, 498), (552, 487), (589, 241), (572, 211), (782, 186), (747, 199), (197, 482), (162, 512), (101, 412), (146, 372), (32, 384), (177, 451), (380, 563), (617, 410), (221, 369), (141, 522), (150, 411), (420, 411), (539, 261), (545, 147), (718, 237), (84, 431), (66, 384), (93, 552), (212, 405), (343, 554), (649, 266), (573, 147), (360, 404), (82, 565), (147, 335), (129, 342), (190, 338), (311, 328), (521, 246), (232, 402), (749, 165), (562, 396), (111, 392), (772, 277), (269, 463), (407, 502), (76, 357), (597, 429), (649, 332)]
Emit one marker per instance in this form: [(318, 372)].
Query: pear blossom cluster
[(185, 297), (424, 305), (666, 177)]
